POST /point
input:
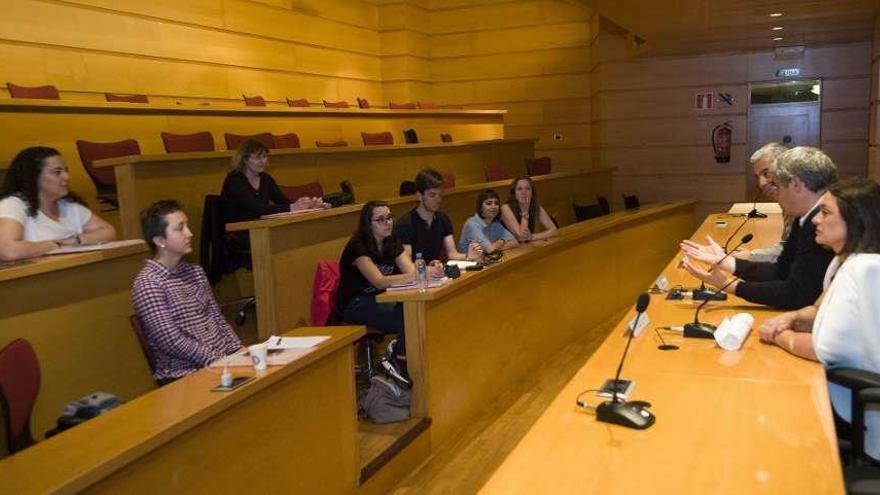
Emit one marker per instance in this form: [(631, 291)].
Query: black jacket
[(795, 279)]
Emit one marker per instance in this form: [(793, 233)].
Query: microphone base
[(708, 294), (699, 331), (756, 214), (629, 414)]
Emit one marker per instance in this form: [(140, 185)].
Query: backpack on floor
[(385, 401)]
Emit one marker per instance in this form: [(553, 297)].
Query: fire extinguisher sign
[(704, 101)]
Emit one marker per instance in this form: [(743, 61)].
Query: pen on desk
[(279, 341)]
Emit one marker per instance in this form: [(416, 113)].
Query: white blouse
[(72, 220), (846, 332)]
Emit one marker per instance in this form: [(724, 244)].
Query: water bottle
[(421, 273)]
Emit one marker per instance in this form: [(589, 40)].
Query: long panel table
[(468, 340), (292, 430), (286, 251), (74, 310), (189, 177), (757, 420)]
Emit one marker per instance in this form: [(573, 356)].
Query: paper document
[(435, 282), (276, 357), (100, 246), (276, 342), (732, 332), (284, 214), (461, 264), (743, 208)]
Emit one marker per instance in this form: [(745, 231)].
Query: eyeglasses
[(385, 219)]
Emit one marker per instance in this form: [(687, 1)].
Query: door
[(795, 124)]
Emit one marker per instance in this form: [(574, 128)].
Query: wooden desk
[(293, 430), (286, 251), (756, 420), (467, 341), (74, 310), (189, 177)]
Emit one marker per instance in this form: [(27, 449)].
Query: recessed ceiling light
[(777, 28), (776, 14), (778, 39)]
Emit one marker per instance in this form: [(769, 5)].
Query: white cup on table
[(258, 353)]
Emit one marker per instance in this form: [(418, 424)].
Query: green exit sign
[(793, 72)]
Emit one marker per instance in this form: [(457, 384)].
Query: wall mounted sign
[(726, 99), (704, 101), (791, 72)]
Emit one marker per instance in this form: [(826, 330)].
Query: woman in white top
[(38, 213), (843, 329)]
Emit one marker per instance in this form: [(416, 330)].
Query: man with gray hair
[(794, 280), (761, 160)]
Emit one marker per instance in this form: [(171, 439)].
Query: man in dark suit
[(794, 280)]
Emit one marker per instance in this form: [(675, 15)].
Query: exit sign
[(793, 72)]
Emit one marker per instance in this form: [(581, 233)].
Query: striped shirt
[(183, 325)]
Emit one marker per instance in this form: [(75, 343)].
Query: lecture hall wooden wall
[(530, 57), (874, 133), (647, 127)]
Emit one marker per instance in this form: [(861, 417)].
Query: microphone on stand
[(700, 330), (704, 330), (743, 224), (704, 294), (633, 414), (755, 213)]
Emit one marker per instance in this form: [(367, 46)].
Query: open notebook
[(282, 350), (99, 246)]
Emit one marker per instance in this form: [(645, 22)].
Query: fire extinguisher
[(721, 137)]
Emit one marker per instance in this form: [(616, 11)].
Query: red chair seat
[(233, 141), (310, 190), (182, 143), (47, 92), (19, 385), (377, 138)]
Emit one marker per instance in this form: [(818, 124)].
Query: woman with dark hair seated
[(182, 322), (250, 192), (39, 213), (372, 261), (841, 330), (485, 226), (523, 210)]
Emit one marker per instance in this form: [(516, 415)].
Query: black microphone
[(743, 224), (755, 213), (620, 412), (704, 294), (699, 330)]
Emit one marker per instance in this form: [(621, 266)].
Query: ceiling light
[(776, 14), (777, 28), (778, 39)]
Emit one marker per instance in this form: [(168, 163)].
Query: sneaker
[(389, 350), (393, 371)]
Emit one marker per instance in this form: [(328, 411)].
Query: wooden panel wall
[(874, 132), (645, 123), (530, 57)]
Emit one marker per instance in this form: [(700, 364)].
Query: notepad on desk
[(275, 357), (276, 342), (98, 246), (436, 282), (285, 214)]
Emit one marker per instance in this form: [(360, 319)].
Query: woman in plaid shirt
[(182, 322)]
